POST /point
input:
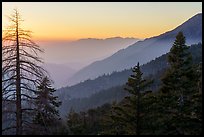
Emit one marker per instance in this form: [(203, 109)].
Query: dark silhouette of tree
[(21, 71), (74, 123), (130, 113), (180, 91), (47, 114)]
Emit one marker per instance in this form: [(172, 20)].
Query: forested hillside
[(171, 110), (142, 51), (108, 88)]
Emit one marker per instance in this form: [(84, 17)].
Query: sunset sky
[(76, 20)]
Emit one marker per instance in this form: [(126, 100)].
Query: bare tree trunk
[(18, 88), (21, 74)]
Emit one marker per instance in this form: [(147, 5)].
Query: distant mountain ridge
[(105, 39), (83, 50), (89, 87), (141, 51), (106, 88), (78, 54)]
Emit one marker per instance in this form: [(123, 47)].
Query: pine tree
[(181, 68), (75, 123), (47, 104), (179, 86), (129, 115)]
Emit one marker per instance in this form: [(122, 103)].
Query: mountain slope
[(83, 51), (64, 56), (142, 51), (89, 87), (105, 89)]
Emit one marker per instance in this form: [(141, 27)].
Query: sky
[(77, 20)]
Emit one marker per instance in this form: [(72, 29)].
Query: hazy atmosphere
[(101, 68), (75, 34)]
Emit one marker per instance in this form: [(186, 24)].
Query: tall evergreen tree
[(181, 68), (75, 123), (178, 88), (47, 104), (129, 115)]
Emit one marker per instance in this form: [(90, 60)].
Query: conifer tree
[(178, 88), (46, 103), (75, 123), (129, 114)]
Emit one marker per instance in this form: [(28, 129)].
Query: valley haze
[(63, 59)]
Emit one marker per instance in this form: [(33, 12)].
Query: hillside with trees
[(174, 109), (112, 85)]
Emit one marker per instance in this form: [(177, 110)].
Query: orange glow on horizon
[(71, 21)]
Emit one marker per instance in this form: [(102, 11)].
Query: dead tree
[(21, 71)]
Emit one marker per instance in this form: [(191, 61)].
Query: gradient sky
[(76, 20)]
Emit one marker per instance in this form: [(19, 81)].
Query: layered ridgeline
[(142, 51), (64, 58), (108, 88)]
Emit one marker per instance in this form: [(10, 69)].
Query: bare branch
[(36, 74), (30, 56), (32, 80), (8, 90), (27, 109), (8, 128), (13, 77), (7, 97), (11, 58), (11, 84), (7, 71), (28, 96), (34, 91)]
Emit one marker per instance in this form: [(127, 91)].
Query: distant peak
[(121, 38), (117, 37), (199, 14)]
